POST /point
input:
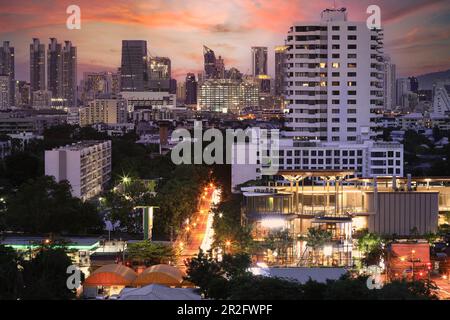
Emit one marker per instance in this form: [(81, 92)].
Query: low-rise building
[(85, 165)]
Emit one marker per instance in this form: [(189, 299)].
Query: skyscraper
[(334, 79), (159, 74), (69, 74), (134, 66), (5, 92), (62, 72), (7, 68), (54, 68), (37, 66), (220, 68), (191, 89), (414, 84), (210, 65), (259, 61), (280, 60)]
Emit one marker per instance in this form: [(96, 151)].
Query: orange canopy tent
[(162, 274), (111, 275)]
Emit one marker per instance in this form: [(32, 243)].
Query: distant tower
[(280, 60), (191, 89), (210, 65), (134, 70), (259, 61), (7, 68), (54, 68), (69, 74)]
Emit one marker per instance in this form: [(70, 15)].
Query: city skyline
[(230, 29)]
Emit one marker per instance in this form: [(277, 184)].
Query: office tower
[(134, 66), (7, 68), (259, 61), (5, 86), (37, 66), (389, 84), (334, 79), (210, 66), (107, 111), (159, 68), (191, 89), (54, 68), (181, 92), (99, 85), (224, 95), (85, 165), (280, 60), (22, 94), (414, 84), (69, 74)]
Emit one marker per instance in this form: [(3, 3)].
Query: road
[(444, 287), (196, 230)]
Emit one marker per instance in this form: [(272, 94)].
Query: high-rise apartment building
[(210, 66), (85, 165), (191, 89), (224, 95), (334, 78), (107, 111), (37, 66), (259, 61), (441, 98), (134, 65), (7, 68), (414, 84), (280, 60), (99, 84), (389, 84), (22, 94), (62, 72), (5, 92)]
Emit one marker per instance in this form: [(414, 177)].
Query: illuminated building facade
[(328, 200)]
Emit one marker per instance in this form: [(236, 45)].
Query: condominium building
[(85, 165), (331, 201), (62, 72), (441, 98), (134, 65), (334, 78), (191, 89), (225, 95), (107, 111), (389, 84), (280, 60)]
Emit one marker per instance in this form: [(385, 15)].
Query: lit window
[(335, 65), (323, 83), (323, 64)]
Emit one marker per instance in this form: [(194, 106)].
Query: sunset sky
[(417, 32)]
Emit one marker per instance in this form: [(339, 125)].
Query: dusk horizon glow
[(416, 32)]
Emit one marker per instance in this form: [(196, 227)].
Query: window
[(335, 120), (335, 37), (351, 28), (335, 47), (351, 129), (335, 138), (335, 28), (335, 129), (335, 74), (335, 83), (335, 55), (335, 102), (351, 65), (351, 111), (335, 65), (351, 74), (351, 37), (336, 92), (351, 120), (352, 93), (351, 56), (335, 111), (351, 46), (351, 83)]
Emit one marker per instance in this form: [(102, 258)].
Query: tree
[(371, 246), (10, 277), (45, 275), (45, 206), (21, 167), (150, 253)]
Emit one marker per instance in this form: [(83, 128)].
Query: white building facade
[(85, 165)]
